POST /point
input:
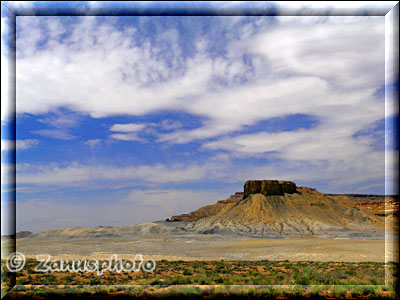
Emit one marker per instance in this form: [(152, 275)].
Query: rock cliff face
[(269, 187)]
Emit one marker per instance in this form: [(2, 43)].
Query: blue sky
[(122, 120)]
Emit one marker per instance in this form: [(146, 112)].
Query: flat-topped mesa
[(269, 187)]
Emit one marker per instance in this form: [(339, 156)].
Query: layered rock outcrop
[(269, 187), (265, 187), (275, 209)]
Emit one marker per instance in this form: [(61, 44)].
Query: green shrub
[(95, 281), (368, 291), (178, 280), (339, 291), (187, 272), (23, 281), (156, 282)]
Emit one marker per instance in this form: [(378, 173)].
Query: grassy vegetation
[(221, 273), (201, 292), (262, 278)]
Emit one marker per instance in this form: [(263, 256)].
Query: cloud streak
[(77, 174), (127, 127), (7, 145), (55, 134)]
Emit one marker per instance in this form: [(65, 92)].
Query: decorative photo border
[(10, 11)]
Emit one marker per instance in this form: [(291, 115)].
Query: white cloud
[(6, 109), (77, 174), (323, 73), (336, 52), (7, 171), (26, 144), (85, 77), (130, 131), (322, 143), (131, 127), (230, 109), (391, 62), (336, 174), (332, 8), (330, 58), (329, 71), (127, 137), (61, 120), (93, 142), (170, 124), (60, 124)]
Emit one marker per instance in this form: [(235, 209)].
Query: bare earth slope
[(209, 210)]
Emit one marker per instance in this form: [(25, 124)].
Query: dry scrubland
[(216, 279), (221, 272), (283, 268)]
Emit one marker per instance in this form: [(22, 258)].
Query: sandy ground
[(204, 248)]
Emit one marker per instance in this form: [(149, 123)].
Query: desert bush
[(368, 291), (373, 281), (95, 281), (339, 291), (205, 281), (155, 282), (187, 272), (178, 280), (23, 281)]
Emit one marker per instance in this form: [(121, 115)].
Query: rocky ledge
[(269, 187)]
